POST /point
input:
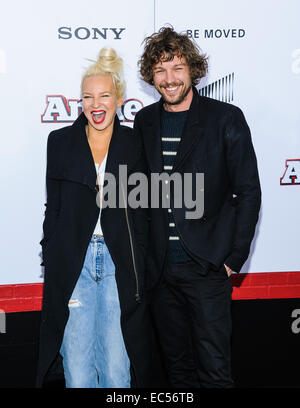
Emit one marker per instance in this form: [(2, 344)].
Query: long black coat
[(70, 218), (216, 141)]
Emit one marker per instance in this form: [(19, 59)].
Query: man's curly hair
[(164, 46)]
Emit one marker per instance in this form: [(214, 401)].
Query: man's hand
[(228, 270)]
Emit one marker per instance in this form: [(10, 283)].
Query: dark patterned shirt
[(172, 124)]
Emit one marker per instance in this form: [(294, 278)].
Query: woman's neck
[(99, 142), (98, 137)]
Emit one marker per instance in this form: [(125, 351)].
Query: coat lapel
[(122, 151), (152, 139), (193, 132), (117, 153), (80, 167)]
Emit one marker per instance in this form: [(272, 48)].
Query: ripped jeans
[(93, 350)]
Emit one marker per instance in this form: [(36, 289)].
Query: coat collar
[(192, 133), (152, 138), (80, 163)]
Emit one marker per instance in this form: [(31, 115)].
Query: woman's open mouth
[(98, 116)]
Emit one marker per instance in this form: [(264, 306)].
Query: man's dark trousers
[(192, 313)]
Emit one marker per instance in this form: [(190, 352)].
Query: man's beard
[(180, 98)]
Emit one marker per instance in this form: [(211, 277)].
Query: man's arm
[(243, 173)]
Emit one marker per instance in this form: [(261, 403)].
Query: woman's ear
[(120, 101)]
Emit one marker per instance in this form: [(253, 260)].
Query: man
[(191, 259)]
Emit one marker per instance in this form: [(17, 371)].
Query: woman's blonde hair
[(108, 63)]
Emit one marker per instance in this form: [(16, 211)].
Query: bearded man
[(191, 259)]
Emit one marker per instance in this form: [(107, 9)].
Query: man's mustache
[(170, 84)]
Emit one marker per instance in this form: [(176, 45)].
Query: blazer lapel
[(152, 139), (193, 132)]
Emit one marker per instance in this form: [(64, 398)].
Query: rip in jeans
[(74, 303)]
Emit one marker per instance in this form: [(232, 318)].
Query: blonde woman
[(94, 314)]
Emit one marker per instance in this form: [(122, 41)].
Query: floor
[(265, 346)]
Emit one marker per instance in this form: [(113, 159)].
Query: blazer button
[(204, 218)]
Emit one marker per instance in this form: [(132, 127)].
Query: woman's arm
[(53, 194)]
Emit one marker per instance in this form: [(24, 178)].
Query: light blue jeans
[(93, 350)]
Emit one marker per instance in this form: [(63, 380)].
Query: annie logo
[(62, 110), (291, 174)]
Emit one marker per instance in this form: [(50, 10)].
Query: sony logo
[(93, 33)]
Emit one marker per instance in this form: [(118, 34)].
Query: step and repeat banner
[(254, 63)]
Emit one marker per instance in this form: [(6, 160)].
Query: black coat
[(216, 141), (70, 218)]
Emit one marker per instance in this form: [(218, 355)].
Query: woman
[(94, 314)]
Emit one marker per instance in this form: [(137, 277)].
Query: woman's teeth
[(98, 116)]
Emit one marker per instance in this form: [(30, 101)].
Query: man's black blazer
[(216, 141)]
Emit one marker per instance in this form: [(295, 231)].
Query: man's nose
[(169, 76)]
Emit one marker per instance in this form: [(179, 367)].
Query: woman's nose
[(95, 102)]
